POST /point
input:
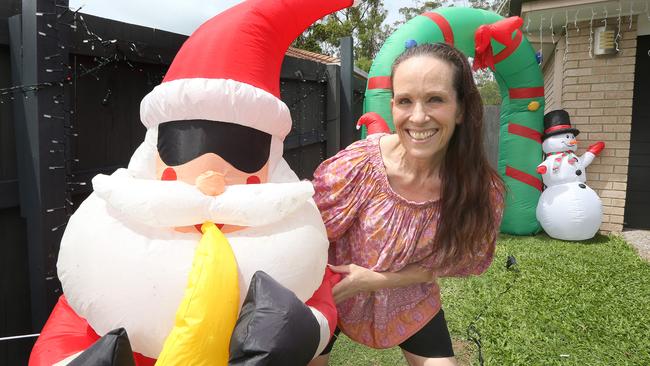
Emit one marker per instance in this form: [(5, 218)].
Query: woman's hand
[(356, 279)]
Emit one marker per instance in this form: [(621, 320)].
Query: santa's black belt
[(245, 148)]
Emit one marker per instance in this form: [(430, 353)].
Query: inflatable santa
[(212, 153), (568, 209)]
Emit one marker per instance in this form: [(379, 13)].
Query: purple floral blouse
[(370, 225)]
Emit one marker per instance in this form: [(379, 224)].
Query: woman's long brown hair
[(467, 214)]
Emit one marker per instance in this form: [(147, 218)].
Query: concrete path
[(640, 240)]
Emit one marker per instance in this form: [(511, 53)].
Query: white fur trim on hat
[(222, 100)]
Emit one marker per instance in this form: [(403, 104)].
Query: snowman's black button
[(582, 186), (578, 172)]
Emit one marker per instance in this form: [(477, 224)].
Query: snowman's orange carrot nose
[(573, 142)]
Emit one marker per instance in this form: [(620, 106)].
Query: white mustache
[(174, 203)]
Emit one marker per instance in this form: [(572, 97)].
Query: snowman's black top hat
[(557, 122)]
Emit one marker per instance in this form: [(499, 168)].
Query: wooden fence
[(74, 113)]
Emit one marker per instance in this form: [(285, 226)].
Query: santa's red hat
[(228, 70)]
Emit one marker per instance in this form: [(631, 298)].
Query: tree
[(363, 23), (490, 92), (419, 7), (491, 5)]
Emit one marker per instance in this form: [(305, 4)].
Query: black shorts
[(432, 341)]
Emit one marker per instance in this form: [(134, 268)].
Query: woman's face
[(425, 106)]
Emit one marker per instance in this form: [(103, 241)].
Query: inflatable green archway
[(522, 89)]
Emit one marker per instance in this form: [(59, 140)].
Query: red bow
[(501, 31)]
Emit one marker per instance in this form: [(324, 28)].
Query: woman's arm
[(359, 279), (478, 266)]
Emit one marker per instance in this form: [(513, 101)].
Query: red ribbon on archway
[(501, 31)]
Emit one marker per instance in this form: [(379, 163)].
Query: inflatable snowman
[(568, 209)]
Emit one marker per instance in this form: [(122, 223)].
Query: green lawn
[(582, 303)]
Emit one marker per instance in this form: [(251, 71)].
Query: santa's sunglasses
[(245, 148)]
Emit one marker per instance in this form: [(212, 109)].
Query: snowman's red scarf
[(558, 156)]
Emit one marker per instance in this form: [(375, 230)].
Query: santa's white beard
[(119, 271), (174, 203)]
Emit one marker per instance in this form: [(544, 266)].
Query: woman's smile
[(422, 135)]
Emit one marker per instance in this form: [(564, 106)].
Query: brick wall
[(597, 93)]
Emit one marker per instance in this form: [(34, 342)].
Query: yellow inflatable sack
[(207, 315)]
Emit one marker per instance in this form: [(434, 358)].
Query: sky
[(179, 16)]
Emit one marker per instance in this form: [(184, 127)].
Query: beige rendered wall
[(551, 97), (597, 93)]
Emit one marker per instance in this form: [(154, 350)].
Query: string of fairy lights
[(595, 17), (66, 71), (71, 72), (57, 65)]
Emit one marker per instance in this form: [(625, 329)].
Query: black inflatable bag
[(113, 349), (274, 327)]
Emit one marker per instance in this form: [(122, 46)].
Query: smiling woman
[(403, 209), (494, 42)]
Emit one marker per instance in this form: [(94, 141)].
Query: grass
[(584, 303)]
